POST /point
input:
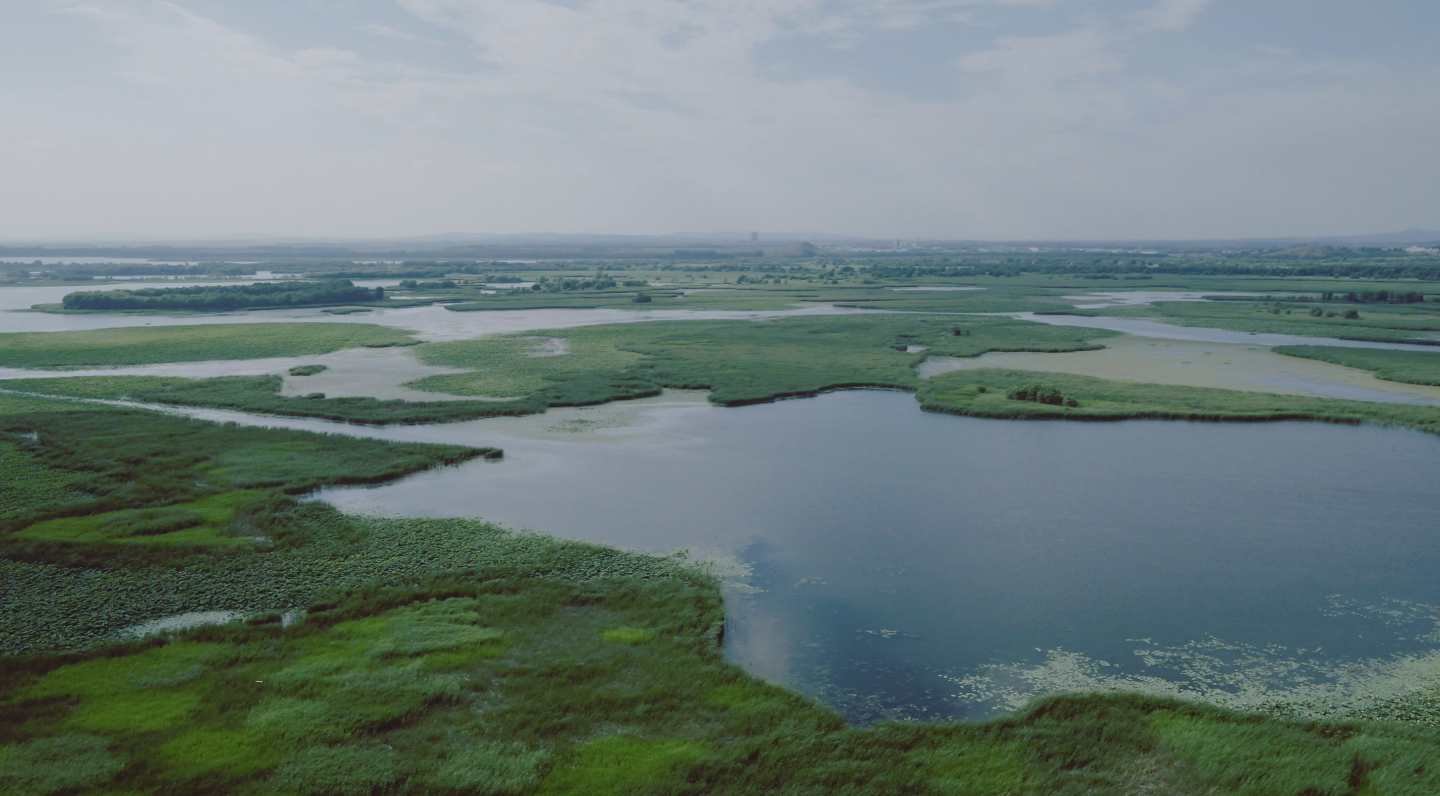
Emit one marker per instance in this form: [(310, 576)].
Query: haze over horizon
[(939, 119)]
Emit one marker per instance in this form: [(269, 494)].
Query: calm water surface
[(895, 553)]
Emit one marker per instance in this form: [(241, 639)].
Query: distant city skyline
[(937, 119)]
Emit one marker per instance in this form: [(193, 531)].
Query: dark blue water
[(894, 551)]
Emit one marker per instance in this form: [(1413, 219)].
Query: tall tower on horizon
[(754, 237)]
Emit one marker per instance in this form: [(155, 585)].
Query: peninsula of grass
[(261, 394), (984, 392), (111, 516), (1408, 367), (147, 345), (72, 459), (1383, 323)]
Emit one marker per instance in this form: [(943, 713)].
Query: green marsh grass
[(981, 393), (1409, 367), (262, 394), (740, 362), (145, 345), (498, 678), (1377, 323)]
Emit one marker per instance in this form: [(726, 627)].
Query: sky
[(956, 119)]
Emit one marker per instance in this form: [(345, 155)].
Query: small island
[(219, 298)]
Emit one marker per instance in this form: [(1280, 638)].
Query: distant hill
[(1313, 251), (804, 249)]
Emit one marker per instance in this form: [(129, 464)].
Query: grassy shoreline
[(982, 393), (550, 667), (1406, 367)]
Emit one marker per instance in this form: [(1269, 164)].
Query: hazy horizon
[(987, 120)]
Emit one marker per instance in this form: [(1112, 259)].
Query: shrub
[(1037, 393)]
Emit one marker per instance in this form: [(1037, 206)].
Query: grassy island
[(223, 298)]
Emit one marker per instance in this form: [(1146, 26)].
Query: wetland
[(250, 558)]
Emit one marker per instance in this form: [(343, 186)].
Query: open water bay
[(913, 565)]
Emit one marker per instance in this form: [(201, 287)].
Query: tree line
[(225, 297)]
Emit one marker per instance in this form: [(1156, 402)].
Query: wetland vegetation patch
[(146, 345), (1409, 367)]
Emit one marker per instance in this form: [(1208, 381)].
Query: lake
[(912, 565)]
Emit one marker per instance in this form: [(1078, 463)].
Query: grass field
[(1410, 367), (147, 345)]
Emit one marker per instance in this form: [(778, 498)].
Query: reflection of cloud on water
[(1271, 679)]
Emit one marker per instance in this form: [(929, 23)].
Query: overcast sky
[(995, 119)]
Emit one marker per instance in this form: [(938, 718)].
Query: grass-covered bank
[(987, 392), (262, 394), (147, 345), (544, 667), (1409, 367), (1382, 323)]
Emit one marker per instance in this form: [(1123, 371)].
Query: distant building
[(754, 237)]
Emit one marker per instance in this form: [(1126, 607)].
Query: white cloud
[(1169, 15), (652, 116)]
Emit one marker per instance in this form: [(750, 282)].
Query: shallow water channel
[(913, 565)]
